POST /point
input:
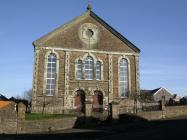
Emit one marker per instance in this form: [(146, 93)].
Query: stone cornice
[(92, 51)]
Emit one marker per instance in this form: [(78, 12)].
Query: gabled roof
[(154, 91), (149, 92), (97, 18), (2, 97)]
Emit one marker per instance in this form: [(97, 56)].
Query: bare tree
[(27, 95)]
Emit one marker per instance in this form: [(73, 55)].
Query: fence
[(153, 106)]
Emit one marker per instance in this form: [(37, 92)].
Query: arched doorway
[(80, 101), (98, 101)]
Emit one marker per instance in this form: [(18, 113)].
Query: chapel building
[(84, 61)]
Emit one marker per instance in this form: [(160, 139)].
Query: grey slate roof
[(149, 92)]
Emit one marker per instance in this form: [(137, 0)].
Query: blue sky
[(157, 27)]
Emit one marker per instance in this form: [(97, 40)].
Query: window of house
[(124, 83), (51, 74), (89, 68), (98, 70), (79, 69)]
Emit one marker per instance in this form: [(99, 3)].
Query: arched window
[(51, 74), (124, 83), (79, 70), (98, 70), (89, 68)]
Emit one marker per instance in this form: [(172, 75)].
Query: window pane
[(123, 77), (53, 59), (49, 59), (52, 92), (51, 74), (86, 67), (48, 81), (98, 70), (89, 68), (54, 65), (48, 70), (91, 76), (48, 87), (48, 75), (86, 77), (53, 81), (47, 91), (79, 70), (53, 87), (53, 70), (87, 62), (49, 65), (86, 72)]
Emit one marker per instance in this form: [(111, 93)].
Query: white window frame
[(79, 70), (98, 70), (128, 85), (89, 68), (94, 67), (55, 73)]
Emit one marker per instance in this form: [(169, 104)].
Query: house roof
[(149, 92), (2, 97), (89, 12), (4, 104)]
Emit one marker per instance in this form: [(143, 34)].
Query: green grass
[(39, 116)]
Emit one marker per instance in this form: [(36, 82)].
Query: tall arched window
[(124, 82), (89, 68), (79, 69), (98, 70), (51, 74)]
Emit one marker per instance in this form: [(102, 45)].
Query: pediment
[(87, 31)]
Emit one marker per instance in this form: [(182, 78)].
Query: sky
[(157, 27)]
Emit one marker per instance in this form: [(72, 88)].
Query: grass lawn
[(39, 116)]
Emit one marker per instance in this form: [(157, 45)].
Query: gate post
[(115, 111), (20, 117), (88, 109), (163, 107)]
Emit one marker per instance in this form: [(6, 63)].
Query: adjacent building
[(156, 95)]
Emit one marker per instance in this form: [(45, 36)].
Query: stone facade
[(68, 44)]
